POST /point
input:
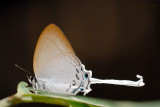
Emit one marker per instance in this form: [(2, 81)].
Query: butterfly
[(58, 70)]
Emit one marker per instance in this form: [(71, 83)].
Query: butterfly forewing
[(54, 62)]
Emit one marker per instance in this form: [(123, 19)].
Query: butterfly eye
[(85, 76)]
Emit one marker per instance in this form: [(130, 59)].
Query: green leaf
[(25, 95)]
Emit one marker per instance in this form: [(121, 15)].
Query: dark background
[(115, 39)]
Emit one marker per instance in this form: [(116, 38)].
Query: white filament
[(138, 83)]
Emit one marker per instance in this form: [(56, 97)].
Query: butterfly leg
[(49, 91), (34, 83), (36, 88)]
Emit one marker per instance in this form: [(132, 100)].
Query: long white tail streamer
[(138, 83)]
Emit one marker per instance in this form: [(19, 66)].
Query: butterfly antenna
[(23, 69)]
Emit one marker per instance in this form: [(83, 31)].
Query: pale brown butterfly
[(58, 70)]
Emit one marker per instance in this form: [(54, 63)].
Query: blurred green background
[(114, 38)]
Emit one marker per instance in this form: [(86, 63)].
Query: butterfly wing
[(54, 61)]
